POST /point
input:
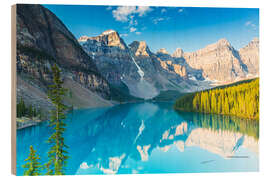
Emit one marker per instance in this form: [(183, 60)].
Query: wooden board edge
[(13, 89)]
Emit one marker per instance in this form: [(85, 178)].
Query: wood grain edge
[(13, 89)]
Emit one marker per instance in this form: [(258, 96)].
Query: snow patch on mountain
[(142, 89)]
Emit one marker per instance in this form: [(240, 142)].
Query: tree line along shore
[(239, 99)]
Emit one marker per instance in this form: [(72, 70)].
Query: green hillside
[(240, 99)]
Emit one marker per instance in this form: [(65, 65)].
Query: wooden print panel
[(134, 90)]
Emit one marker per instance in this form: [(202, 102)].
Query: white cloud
[(248, 23), (180, 10), (251, 24), (129, 14), (126, 13), (132, 29), (121, 13), (163, 10), (142, 10), (157, 20)]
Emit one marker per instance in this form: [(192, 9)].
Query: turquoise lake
[(148, 138)]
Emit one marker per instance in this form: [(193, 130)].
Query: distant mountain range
[(101, 70), (146, 73)]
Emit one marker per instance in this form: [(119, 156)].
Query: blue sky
[(163, 27)]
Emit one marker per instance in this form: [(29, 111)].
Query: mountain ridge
[(216, 63)]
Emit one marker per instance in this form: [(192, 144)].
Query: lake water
[(148, 138)]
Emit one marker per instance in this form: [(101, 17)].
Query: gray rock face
[(149, 64), (112, 57), (143, 72), (42, 40), (221, 62), (140, 48), (178, 53), (175, 68), (162, 51), (250, 57), (108, 43), (131, 65), (163, 54)]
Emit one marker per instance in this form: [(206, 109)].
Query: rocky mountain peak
[(162, 51), (109, 38), (83, 38), (223, 42), (250, 56), (178, 53), (255, 39), (254, 43), (110, 31), (140, 48), (219, 46), (219, 62)]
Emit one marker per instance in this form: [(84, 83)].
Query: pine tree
[(57, 153), (30, 111), (32, 167), (21, 109), (39, 113)]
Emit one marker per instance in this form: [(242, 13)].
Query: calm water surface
[(148, 138)]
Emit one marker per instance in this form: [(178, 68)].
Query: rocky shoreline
[(25, 122)]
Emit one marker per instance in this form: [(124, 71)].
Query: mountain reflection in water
[(149, 138)]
